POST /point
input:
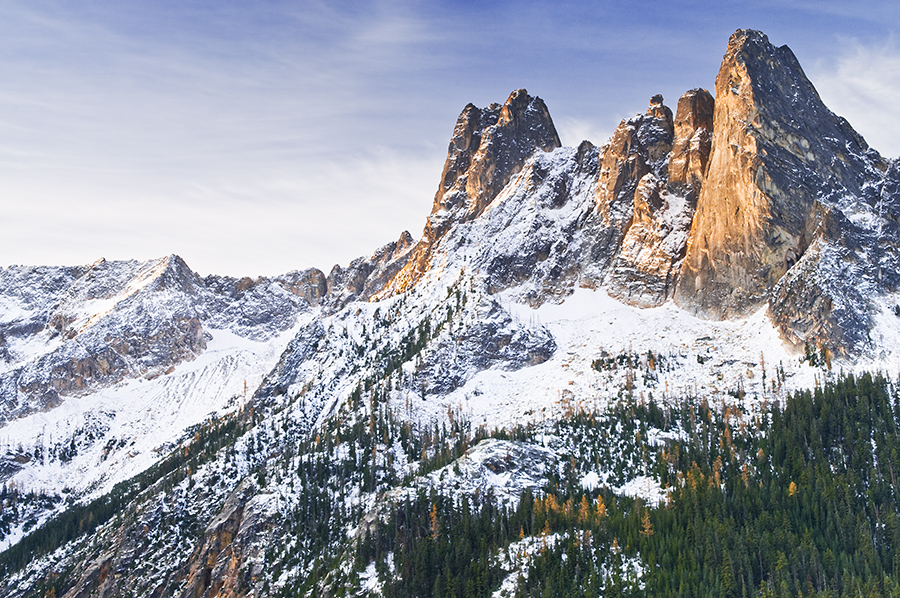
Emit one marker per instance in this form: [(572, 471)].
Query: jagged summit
[(777, 153), (785, 174), (659, 110), (488, 146), (712, 205), (657, 196)]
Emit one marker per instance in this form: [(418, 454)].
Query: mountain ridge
[(716, 256)]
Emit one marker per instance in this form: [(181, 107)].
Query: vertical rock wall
[(776, 152)]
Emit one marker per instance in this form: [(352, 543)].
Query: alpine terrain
[(661, 366)]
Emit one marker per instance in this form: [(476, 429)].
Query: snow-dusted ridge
[(104, 367), (89, 444)]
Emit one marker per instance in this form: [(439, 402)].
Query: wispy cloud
[(863, 86), (125, 142)]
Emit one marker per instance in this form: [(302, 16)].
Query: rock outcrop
[(693, 140), (779, 158), (230, 557), (489, 145), (542, 230), (226, 560), (368, 276), (638, 147), (657, 165)]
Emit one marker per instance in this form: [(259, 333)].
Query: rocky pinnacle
[(489, 146), (777, 152)]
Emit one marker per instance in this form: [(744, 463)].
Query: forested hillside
[(798, 498)]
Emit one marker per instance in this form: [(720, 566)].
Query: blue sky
[(259, 137)]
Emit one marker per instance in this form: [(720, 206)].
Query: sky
[(258, 137)]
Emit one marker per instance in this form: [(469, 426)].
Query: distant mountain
[(582, 341)]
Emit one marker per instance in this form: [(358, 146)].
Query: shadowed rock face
[(777, 152), (227, 561), (489, 146)]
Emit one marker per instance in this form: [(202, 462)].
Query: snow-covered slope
[(90, 443), (68, 331), (105, 367)]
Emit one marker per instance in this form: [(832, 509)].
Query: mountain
[(807, 190), (105, 366), (645, 368)]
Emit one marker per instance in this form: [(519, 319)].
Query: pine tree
[(600, 510), (646, 524)]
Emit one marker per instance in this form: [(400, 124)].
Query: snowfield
[(694, 358)]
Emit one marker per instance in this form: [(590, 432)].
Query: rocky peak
[(656, 132), (489, 146), (172, 272), (776, 152), (485, 153), (659, 110), (646, 267), (640, 145), (464, 144)]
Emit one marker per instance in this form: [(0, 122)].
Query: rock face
[(779, 159), (639, 147), (229, 558), (541, 233), (489, 145), (693, 140), (657, 166)]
